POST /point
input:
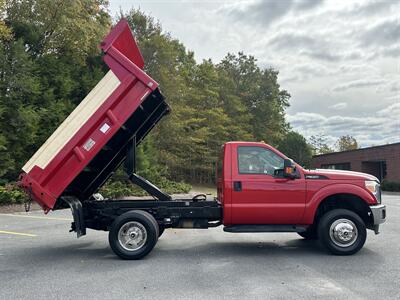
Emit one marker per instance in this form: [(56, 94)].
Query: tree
[(295, 146), (259, 92), (346, 142), (58, 26), (319, 145), (5, 31)]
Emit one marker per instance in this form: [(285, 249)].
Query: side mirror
[(289, 169)]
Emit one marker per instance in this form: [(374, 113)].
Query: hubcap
[(343, 232), (132, 236)]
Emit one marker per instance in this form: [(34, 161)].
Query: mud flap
[(77, 212)]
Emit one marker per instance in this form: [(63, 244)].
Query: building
[(380, 161)]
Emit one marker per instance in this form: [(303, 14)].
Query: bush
[(10, 193), (123, 188), (390, 186)]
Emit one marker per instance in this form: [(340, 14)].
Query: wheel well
[(345, 201)]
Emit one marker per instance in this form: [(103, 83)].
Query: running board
[(265, 228)]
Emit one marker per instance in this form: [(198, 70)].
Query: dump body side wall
[(90, 127)]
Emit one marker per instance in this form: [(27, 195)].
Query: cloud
[(382, 127), (339, 106), (289, 40), (265, 12), (392, 111), (314, 46), (370, 8), (360, 83), (321, 54), (393, 51), (384, 33), (303, 44)]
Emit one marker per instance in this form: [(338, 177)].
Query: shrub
[(390, 186), (115, 189), (10, 193)]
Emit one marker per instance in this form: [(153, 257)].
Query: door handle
[(282, 180), (237, 186)]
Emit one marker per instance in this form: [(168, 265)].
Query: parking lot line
[(17, 233), (37, 217)]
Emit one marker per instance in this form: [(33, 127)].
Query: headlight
[(375, 188)]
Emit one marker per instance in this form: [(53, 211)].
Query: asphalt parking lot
[(40, 259)]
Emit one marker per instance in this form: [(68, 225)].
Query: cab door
[(259, 196)]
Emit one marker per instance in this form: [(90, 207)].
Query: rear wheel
[(342, 232), (133, 234)]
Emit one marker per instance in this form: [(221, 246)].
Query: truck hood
[(337, 175)]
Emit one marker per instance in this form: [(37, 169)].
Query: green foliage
[(56, 26), (122, 188), (295, 146), (5, 31), (346, 142), (390, 186), (11, 194), (48, 65)]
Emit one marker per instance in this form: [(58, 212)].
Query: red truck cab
[(256, 192)]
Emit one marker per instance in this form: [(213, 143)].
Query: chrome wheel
[(343, 232), (132, 236)]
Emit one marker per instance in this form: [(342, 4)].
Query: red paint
[(265, 199), (125, 60)]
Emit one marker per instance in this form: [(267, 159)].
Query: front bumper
[(379, 216)]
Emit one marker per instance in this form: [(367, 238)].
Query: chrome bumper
[(379, 215)]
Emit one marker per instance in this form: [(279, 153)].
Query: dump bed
[(84, 151)]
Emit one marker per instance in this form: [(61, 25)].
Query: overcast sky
[(339, 60)]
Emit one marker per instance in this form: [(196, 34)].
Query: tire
[(310, 234), (145, 213), (133, 234), (342, 232)]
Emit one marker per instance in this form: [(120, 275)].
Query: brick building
[(380, 161)]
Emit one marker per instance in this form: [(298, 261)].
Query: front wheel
[(342, 232), (133, 234)]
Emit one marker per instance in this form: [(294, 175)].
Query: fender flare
[(334, 189)]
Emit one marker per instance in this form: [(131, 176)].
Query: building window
[(341, 166)]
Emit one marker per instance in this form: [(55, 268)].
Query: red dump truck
[(259, 188)]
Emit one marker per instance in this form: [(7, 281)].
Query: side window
[(258, 160)]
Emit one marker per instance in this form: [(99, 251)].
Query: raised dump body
[(93, 140)]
